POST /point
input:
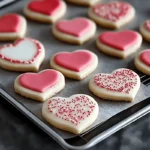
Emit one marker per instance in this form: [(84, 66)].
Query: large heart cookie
[(112, 14), (81, 63), (39, 86), (45, 10), (12, 26), (142, 61), (122, 84), (24, 55), (120, 44), (75, 31), (73, 114)]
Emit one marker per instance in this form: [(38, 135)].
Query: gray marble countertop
[(19, 133)]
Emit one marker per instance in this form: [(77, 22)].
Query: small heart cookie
[(73, 114), (12, 27), (46, 11), (119, 44), (145, 30), (83, 2), (76, 65), (76, 31), (112, 14), (142, 61), (122, 85), (39, 86), (24, 55)]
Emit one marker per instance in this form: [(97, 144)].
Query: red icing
[(147, 25), (123, 80), (119, 40), (74, 114), (47, 7), (145, 57), (10, 23), (76, 27), (14, 45), (113, 11), (39, 82), (75, 61)]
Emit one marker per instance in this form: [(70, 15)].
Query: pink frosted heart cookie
[(46, 11), (74, 114), (83, 2), (24, 55), (122, 85), (142, 61), (12, 27), (76, 65), (119, 44), (39, 86), (112, 14), (76, 31), (145, 30)]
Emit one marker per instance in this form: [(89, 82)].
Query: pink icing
[(112, 11), (39, 82), (145, 57), (75, 61), (47, 7), (119, 40), (10, 23), (74, 114), (20, 61), (120, 81), (147, 25), (76, 27)]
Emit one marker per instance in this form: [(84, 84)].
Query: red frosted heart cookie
[(123, 84), (142, 61), (77, 64), (47, 11), (112, 14), (75, 31), (73, 114), (24, 55), (39, 86), (12, 26), (120, 44)]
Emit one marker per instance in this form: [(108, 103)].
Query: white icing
[(23, 51)]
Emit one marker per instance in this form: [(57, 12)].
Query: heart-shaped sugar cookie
[(77, 64), (73, 114), (122, 84), (24, 55), (39, 86), (145, 57)]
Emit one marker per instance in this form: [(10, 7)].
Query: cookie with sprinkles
[(74, 114), (142, 61), (119, 44), (83, 2), (25, 54), (145, 30), (112, 14), (122, 85)]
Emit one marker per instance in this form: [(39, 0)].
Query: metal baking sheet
[(42, 32)]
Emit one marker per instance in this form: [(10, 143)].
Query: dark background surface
[(19, 133)]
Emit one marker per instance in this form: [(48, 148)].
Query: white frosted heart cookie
[(24, 55), (46, 11), (39, 86), (83, 2), (145, 30), (112, 14), (119, 44), (142, 61), (75, 31), (77, 65), (12, 27), (122, 85), (73, 114)]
